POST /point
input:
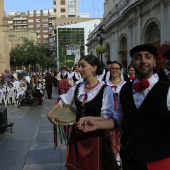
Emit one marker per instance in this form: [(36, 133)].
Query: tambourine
[(66, 115), (58, 78)]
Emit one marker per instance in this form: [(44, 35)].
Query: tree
[(28, 53)]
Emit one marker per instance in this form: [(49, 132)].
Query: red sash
[(163, 164)]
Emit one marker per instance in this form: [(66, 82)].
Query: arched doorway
[(123, 51)]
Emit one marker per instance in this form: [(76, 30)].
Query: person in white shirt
[(93, 98), (21, 90), (11, 93), (63, 77), (75, 75), (116, 84), (2, 94)]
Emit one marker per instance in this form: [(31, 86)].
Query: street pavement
[(30, 146)]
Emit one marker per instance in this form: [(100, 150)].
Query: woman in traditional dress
[(116, 84), (63, 77), (75, 75), (91, 150)]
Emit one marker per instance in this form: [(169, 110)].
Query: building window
[(45, 36), (37, 25), (30, 26), (10, 27), (45, 41), (45, 30), (63, 10), (45, 25), (10, 22), (51, 39), (30, 20), (38, 20), (37, 13), (45, 20), (62, 2), (31, 13), (152, 33)]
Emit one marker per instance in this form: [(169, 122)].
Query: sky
[(94, 7)]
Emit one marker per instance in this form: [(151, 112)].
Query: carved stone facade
[(129, 23), (4, 45)]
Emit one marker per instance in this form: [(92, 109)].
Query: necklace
[(92, 86), (117, 82)]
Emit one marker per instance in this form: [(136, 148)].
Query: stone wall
[(4, 42)]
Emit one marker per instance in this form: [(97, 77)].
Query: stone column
[(4, 46)]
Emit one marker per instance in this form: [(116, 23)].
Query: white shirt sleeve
[(100, 77), (67, 99), (107, 103), (71, 75), (79, 81), (108, 75), (168, 99)]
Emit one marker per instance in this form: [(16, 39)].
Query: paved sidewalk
[(31, 145)]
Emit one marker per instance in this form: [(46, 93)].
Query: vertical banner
[(70, 60)]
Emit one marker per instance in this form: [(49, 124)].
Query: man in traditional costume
[(144, 106)]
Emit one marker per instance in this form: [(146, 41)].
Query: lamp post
[(55, 40), (100, 37)]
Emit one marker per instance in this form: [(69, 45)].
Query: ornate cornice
[(132, 22)]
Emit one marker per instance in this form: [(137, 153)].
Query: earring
[(94, 73)]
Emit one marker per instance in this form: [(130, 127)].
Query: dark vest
[(91, 108), (127, 79), (146, 130), (63, 77), (74, 78), (104, 77), (162, 76)]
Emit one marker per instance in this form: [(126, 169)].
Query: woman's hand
[(87, 124), (53, 119)]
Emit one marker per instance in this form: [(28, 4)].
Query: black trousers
[(132, 164), (49, 92)]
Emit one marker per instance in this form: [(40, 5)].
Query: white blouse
[(107, 101), (118, 87), (77, 76)]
